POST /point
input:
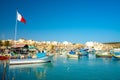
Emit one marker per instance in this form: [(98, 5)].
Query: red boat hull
[(4, 57)]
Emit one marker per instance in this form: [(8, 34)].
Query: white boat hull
[(30, 61), (73, 55)]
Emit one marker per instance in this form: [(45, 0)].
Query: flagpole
[(15, 28)]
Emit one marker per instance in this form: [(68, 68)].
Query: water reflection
[(29, 71), (3, 69), (24, 72)]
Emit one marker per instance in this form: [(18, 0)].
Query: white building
[(95, 45), (66, 43)]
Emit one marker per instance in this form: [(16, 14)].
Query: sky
[(76, 21)]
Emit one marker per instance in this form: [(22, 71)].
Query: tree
[(51, 48), (7, 43)]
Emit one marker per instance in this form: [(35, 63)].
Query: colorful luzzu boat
[(104, 54), (41, 58), (4, 57), (30, 61), (116, 53), (83, 52), (72, 54)]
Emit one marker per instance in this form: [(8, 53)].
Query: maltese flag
[(20, 17)]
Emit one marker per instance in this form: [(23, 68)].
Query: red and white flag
[(20, 17)]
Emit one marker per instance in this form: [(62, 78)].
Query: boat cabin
[(20, 48)]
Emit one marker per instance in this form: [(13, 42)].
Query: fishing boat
[(115, 53), (84, 52), (31, 60), (72, 54), (4, 57), (116, 56), (103, 54)]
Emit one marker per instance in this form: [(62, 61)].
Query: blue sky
[(76, 21)]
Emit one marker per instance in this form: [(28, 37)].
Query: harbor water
[(63, 68)]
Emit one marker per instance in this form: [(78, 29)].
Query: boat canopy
[(41, 54)]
